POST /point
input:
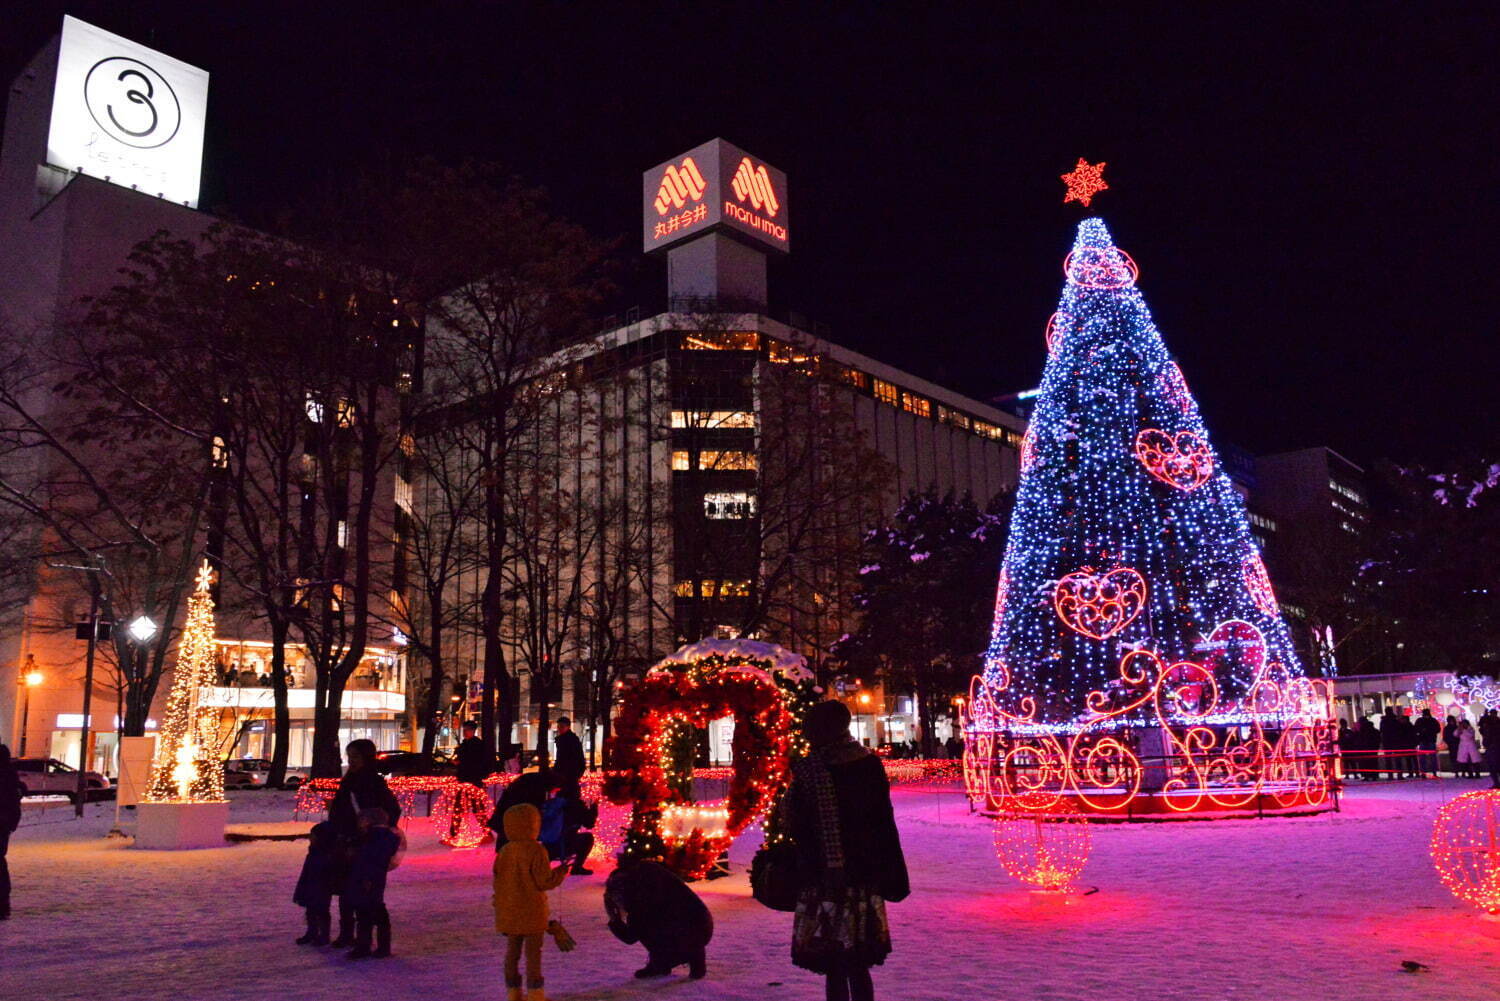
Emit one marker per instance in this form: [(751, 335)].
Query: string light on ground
[(1466, 849), (1046, 851), (460, 814)]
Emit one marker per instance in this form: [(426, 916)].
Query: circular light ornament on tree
[(698, 684), (1466, 849), (1044, 850)]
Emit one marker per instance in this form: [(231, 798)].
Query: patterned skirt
[(847, 927)]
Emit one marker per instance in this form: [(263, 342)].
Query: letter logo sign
[(716, 187), (127, 113)]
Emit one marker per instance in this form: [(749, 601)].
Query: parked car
[(260, 768), (235, 778), (50, 777), (412, 763)]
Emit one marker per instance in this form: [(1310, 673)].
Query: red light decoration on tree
[(1101, 268), (1058, 325), (1258, 583), (1466, 848), (1174, 385), (1044, 850), (1084, 181), (1028, 450), (1099, 604), (1182, 460)]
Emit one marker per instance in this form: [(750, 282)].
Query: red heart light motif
[(1182, 460), (1234, 651), (1099, 604)]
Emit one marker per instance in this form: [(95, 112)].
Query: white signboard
[(127, 113), (136, 754)]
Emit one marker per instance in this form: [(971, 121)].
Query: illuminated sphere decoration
[(459, 815), (1045, 851), (1466, 848)]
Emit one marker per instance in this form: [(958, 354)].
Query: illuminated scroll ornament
[(1101, 268), (1099, 604), (1182, 460)]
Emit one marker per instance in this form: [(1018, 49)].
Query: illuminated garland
[(1138, 660), (694, 687), (1466, 848), (187, 767), (1046, 851)]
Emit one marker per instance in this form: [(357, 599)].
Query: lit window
[(727, 460), (885, 392), (346, 413), (343, 534), (721, 340), (403, 494), (682, 459), (220, 453), (685, 589), (314, 409), (729, 504), (713, 419), (950, 416), (1339, 488), (914, 404), (729, 588), (782, 353)]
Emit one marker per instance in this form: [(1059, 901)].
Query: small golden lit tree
[(187, 767)]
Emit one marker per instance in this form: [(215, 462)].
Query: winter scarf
[(813, 770)]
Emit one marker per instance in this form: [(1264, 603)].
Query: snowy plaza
[(1272, 910)]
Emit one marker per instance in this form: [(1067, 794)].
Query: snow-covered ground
[(1324, 907)]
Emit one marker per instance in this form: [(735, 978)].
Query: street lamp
[(32, 678), (142, 629)]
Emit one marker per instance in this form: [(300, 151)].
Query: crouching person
[(647, 903), (522, 879), (375, 855)]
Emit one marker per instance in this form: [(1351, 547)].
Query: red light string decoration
[(1138, 662), (1044, 850), (1084, 181)]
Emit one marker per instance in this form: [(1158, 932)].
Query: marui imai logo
[(752, 184), (679, 186), (132, 102)]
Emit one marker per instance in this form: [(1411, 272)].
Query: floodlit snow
[(1324, 907)]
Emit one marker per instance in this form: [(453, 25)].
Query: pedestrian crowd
[(838, 807), (1402, 746)]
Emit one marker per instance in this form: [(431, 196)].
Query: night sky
[(1311, 197)]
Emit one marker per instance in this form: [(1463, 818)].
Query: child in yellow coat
[(523, 875)]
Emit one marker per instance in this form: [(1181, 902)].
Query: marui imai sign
[(715, 186), (127, 113)]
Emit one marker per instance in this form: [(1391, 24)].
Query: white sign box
[(127, 113)]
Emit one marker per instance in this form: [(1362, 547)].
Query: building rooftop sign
[(127, 113), (716, 186)]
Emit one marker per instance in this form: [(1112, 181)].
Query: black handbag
[(774, 879)]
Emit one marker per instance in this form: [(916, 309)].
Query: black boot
[(698, 965), (310, 937), (346, 929), (382, 940), (325, 922), (362, 930)]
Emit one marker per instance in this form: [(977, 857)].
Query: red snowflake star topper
[(1084, 182)]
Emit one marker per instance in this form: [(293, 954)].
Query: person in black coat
[(532, 788), (849, 856), (361, 788), (475, 762), (1426, 730), (569, 764), (10, 819), (648, 903), (314, 892), (365, 889)]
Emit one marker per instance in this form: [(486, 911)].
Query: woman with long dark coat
[(848, 853), (10, 819)]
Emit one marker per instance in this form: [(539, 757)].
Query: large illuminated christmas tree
[(1137, 646), (187, 767)]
